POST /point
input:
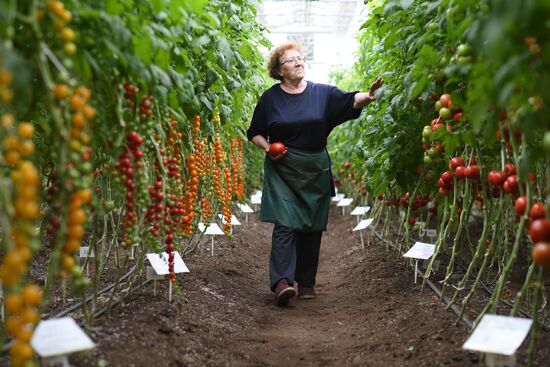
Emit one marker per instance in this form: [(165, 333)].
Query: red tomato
[(412, 220), (473, 172), (541, 254), (511, 184), (460, 172), (537, 211), (277, 148), (540, 230), (509, 169), (444, 100), (521, 204), (456, 162), (496, 178), (447, 177)]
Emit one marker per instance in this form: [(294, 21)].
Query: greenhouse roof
[(326, 29)]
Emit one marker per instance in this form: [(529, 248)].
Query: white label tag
[(360, 210), (498, 334), (363, 224), (338, 197), (420, 250), (59, 336), (151, 274), (345, 202), (245, 208), (431, 232), (160, 263), (85, 252)]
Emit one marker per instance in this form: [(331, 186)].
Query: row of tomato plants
[(460, 127), (122, 123)]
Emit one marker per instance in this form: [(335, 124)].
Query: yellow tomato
[(68, 34), (13, 303), (32, 295), (61, 91)]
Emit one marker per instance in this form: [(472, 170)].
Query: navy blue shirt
[(303, 120)]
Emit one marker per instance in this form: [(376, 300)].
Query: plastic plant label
[(363, 224), (245, 208), (213, 229), (58, 337), (345, 202), (420, 250), (234, 220), (431, 232), (360, 210), (85, 252), (338, 197), (160, 263), (254, 199), (151, 274), (498, 334)]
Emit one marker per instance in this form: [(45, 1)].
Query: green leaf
[(114, 7)]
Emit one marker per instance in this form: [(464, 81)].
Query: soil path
[(368, 312)]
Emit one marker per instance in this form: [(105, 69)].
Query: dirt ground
[(368, 312)]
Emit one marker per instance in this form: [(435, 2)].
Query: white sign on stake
[(160, 266), (86, 253), (245, 208), (59, 337), (234, 220), (338, 197), (362, 225), (431, 232), (254, 199), (160, 263), (421, 251), (344, 203), (498, 334), (213, 230), (360, 210)]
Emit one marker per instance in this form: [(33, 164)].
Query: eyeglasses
[(294, 60)]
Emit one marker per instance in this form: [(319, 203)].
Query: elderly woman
[(298, 181)]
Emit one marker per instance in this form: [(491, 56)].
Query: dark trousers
[(294, 256)]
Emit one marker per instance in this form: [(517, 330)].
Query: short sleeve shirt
[(303, 120)]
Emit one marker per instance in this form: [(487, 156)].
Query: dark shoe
[(284, 292), (306, 292)]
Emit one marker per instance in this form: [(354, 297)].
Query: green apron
[(297, 190)]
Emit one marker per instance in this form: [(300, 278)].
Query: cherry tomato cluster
[(156, 209), (458, 168), (61, 18), (130, 92), (539, 230), (447, 116), (22, 299), (237, 168), (6, 94), (130, 168)]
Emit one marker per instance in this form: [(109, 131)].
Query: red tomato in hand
[(277, 148)]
